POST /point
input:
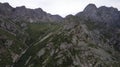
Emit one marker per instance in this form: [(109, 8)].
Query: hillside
[(35, 38)]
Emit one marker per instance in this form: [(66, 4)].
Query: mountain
[(108, 15), (30, 15), (30, 38), (106, 20)]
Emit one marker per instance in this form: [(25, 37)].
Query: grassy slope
[(38, 30), (37, 33), (35, 30), (15, 48)]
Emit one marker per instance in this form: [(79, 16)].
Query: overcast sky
[(62, 7)]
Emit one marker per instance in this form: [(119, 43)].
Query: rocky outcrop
[(5, 9), (105, 20), (107, 15)]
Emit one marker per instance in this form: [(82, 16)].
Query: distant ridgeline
[(26, 14), (34, 38)]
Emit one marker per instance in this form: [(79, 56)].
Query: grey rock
[(107, 15), (26, 14)]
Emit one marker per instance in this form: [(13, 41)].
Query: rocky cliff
[(103, 14), (26, 14)]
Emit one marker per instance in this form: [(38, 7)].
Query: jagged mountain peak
[(90, 7), (21, 7), (38, 9), (5, 4), (26, 14), (102, 14), (108, 8)]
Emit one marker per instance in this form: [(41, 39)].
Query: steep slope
[(38, 30), (30, 38), (19, 28), (12, 42), (73, 45), (105, 20)]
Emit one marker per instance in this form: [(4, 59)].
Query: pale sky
[(62, 7)]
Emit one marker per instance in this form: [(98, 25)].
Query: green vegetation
[(9, 35), (38, 30), (5, 56), (5, 59), (93, 25), (17, 44), (92, 45)]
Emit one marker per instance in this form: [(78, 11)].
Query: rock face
[(104, 14), (106, 20), (29, 15), (5, 9), (73, 46)]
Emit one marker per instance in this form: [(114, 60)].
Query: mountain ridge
[(108, 16), (29, 38), (30, 15)]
